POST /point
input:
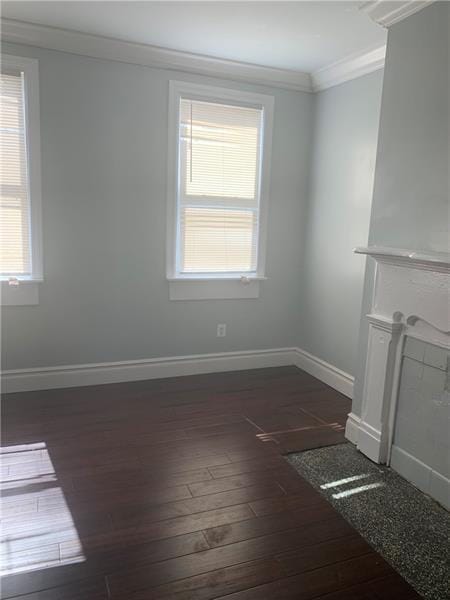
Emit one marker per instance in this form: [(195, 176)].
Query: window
[(20, 195), (219, 144)]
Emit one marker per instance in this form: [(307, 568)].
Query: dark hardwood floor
[(176, 488)]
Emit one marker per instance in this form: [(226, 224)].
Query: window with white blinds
[(218, 189), (15, 247), (219, 153), (20, 180), (219, 150)]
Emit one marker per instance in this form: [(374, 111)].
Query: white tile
[(411, 469)]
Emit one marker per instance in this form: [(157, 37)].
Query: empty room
[(225, 316)]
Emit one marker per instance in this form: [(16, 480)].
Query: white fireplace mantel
[(410, 298), (436, 261)]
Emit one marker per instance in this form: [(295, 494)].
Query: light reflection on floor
[(37, 529), (358, 490), (345, 480)]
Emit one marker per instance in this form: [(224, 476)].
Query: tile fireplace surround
[(410, 300)]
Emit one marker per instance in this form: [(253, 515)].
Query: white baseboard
[(421, 475), (366, 438), (370, 443), (24, 380), (329, 374), (352, 428)]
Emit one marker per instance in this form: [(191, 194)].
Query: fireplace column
[(380, 385)]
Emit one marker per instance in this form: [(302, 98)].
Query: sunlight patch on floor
[(35, 517), (343, 481), (358, 490)]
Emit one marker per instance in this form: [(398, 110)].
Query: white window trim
[(215, 286), (26, 292)]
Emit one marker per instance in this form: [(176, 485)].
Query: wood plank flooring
[(177, 489)]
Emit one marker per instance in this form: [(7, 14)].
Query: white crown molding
[(43, 378), (84, 44), (106, 48), (348, 68), (388, 12)]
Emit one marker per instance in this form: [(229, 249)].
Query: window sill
[(26, 293), (208, 288)]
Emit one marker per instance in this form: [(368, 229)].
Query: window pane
[(218, 240), (15, 254), (220, 149), (219, 187)]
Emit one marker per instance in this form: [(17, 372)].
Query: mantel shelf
[(436, 261)]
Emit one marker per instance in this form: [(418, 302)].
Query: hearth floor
[(407, 527)]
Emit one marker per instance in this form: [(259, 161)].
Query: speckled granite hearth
[(404, 525)]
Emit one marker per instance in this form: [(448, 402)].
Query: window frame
[(26, 292), (193, 91)]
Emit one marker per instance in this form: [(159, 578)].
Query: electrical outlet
[(221, 330)]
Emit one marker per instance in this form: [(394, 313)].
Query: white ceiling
[(303, 36)]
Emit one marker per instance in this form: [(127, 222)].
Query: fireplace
[(410, 301)]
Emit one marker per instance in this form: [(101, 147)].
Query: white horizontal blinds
[(218, 240), (219, 187), (15, 249)]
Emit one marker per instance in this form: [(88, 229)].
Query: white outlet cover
[(221, 330)]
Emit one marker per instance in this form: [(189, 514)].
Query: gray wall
[(411, 194), (411, 191), (105, 296), (345, 141)]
